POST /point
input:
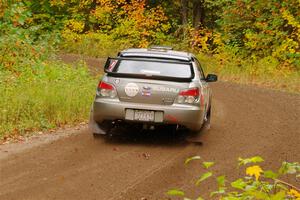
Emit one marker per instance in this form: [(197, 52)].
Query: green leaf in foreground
[(239, 184), (208, 164), (221, 181), (204, 177), (175, 192), (270, 174), (278, 196), (255, 159), (191, 158), (289, 168), (220, 191)]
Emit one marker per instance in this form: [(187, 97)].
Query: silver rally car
[(152, 87)]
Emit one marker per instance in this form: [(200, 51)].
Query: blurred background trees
[(256, 30)]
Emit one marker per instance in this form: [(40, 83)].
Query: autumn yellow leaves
[(254, 171), (257, 183)]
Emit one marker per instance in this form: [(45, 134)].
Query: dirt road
[(246, 121)]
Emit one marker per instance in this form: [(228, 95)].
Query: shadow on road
[(161, 136)]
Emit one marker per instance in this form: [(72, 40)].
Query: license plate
[(144, 115)]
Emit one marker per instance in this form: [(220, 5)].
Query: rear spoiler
[(112, 65)]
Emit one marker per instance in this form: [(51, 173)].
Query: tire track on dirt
[(176, 159)]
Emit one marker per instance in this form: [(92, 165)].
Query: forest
[(245, 41), (258, 30)]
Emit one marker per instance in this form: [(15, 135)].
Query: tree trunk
[(184, 12), (198, 13)]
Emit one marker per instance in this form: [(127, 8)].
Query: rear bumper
[(190, 116)]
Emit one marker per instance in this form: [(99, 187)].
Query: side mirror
[(211, 78)]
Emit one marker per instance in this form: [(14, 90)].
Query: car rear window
[(154, 68)]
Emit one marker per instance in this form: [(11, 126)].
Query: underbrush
[(56, 95), (264, 73), (258, 183), (36, 93), (93, 44)]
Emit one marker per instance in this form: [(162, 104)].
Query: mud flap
[(95, 128)]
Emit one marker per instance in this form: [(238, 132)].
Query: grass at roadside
[(39, 92), (262, 74), (59, 94)]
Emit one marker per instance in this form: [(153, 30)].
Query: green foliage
[(175, 192), (208, 164), (255, 159), (37, 93), (221, 181), (258, 28), (203, 177), (263, 28), (94, 44), (263, 32), (191, 158), (289, 168), (53, 95), (266, 73), (257, 184)]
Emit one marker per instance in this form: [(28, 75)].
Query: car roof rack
[(160, 48)]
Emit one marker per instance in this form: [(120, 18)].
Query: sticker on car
[(131, 89)]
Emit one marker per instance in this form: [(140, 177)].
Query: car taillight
[(188, 96), (107, 90)]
